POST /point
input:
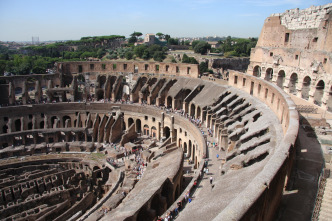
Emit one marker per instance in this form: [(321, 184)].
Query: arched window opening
[(281, 79), (269, 74), (306, 88), (257, 71), (292, 84), (146, 130), (319, 92)]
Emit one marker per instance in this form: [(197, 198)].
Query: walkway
[(298, 202), (214, 171)]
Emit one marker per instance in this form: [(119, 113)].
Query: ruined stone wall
[(294, 51), (268, 197), (238, 64), (129, 67)]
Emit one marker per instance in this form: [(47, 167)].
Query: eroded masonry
[(294, 52), (107, 140)]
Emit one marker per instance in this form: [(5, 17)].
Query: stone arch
[(138, 126), (198, 114), (185, 147), (144, 214), (125, 92), (257, 71), (17, 125), (167, 132), (53, 121), (192, 110), (80, 78), (102, 81), (292, 83), (100, 94), (193, 153), (31, 88), (130, 121), (64, 118), (281, 79), (167, 192), (268, 74), (190, 148), (154, 132), (306, 88), (95, 168), (30, 126), (41, 124), (169, 102), (180, 143), (18, 90), (146, 130), (319, 92), (5, 129), (31, 91), (156, 205)]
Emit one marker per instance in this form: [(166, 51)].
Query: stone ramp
[(325, 213)]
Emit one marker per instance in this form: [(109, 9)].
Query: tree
[(167, 37), (146, 55), (173, 41), (194, 43), (129, 55), (134, 37), (158, 56), (202, 47), (100, 53), (160, 35), (2, 67), (203, 67), (132, 40), (39, 66), (136, 34), (139, 50), (189, 60)]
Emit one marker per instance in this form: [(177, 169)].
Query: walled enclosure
[(256, 135), (294, 51)]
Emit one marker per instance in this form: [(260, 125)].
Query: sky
[(73, 19)]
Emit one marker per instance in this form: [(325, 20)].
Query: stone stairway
[(325, 213)]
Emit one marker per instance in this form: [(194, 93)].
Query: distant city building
[(35, 40), (149, 39), (214, 44)]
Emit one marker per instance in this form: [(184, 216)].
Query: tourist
[(195, 183)]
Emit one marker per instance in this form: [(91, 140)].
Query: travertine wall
[(294, 51), (190, 70)]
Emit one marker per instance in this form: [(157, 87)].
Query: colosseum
[(109, 140)]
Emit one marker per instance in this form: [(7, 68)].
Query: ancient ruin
[(294, 52), (108, 140), (93, 124)]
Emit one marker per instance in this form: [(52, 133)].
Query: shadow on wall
[(303, 183)]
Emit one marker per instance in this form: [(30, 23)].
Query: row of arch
[(146, 130), (300, 87)]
